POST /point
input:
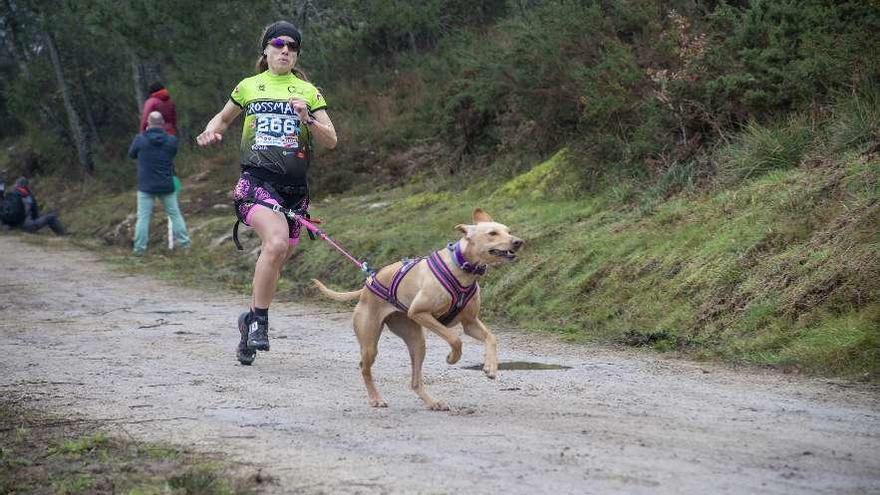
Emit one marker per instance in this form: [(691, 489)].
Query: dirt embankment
[(157, 362)]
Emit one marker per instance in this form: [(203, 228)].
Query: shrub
[(776, 56)]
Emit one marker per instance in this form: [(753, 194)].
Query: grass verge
[(42, 453)]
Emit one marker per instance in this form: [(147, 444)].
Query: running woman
[(284, 114)]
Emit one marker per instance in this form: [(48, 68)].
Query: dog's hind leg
[(367, 328), (476, 329), (412, 333)]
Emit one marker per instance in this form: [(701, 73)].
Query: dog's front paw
[(378, 403)]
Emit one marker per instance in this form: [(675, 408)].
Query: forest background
[(699, 177)]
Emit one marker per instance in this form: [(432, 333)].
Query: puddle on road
[(521, 366)]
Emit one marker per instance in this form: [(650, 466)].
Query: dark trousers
[(51, 219)]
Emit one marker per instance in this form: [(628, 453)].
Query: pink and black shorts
[(292, 197)]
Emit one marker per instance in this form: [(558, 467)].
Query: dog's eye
[(492, 233)]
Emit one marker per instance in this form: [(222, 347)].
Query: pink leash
[(362, 265)]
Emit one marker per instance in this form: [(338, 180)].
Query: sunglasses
[(280, 43)]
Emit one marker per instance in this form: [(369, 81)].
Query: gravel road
[(157, 362)]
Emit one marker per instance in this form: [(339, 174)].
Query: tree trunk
[(16, 40), (94, 137), (137, 75), (80, 138), (12, 35)]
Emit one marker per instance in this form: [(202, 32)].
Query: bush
[(548, 74), (777, 56)]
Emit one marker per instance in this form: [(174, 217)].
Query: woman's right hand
[(214, 129), (209, 137)]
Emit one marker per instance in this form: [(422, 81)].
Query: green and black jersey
[(274, 143)]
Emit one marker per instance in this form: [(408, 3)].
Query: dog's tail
[(337, 296)]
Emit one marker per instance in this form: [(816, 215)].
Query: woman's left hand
[(301, 108)]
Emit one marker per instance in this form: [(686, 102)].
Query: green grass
[(850, 341), (760, 149), (79, 446), (40, 453), (856, 119)]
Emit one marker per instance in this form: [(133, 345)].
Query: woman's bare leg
[(274, 251)]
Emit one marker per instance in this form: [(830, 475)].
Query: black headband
[(281, 28)]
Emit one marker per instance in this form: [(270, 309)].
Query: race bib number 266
[(276, 130)]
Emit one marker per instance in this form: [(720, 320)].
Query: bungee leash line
[(313, 229), (362, 265)]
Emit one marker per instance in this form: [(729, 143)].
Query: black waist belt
[(266, 176)]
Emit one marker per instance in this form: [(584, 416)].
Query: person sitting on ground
[(160, 101), (154, 150), (4, 211), (20, 210)]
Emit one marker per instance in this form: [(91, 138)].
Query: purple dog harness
[(461, 295), (390, 293)]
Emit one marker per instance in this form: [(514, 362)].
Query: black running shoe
[(246, 355), (258, 333)]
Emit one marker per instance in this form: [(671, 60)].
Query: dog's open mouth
[(507, 254)]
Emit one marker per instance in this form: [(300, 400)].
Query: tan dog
[(484, 244)]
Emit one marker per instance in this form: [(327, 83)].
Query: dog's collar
[(458, 257)]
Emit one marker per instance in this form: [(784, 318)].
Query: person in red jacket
[(160, 101)]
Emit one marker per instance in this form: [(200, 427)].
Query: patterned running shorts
[(250, 187)]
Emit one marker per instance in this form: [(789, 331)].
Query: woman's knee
[(275, 247)]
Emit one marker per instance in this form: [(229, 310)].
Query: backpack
[(12, 209)]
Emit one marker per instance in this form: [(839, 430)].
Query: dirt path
[(157, 362)]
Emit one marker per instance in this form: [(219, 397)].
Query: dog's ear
[(464, 229), (481, 216)]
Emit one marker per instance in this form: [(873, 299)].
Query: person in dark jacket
[(160, 101), (154, 150), (19, 209)]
